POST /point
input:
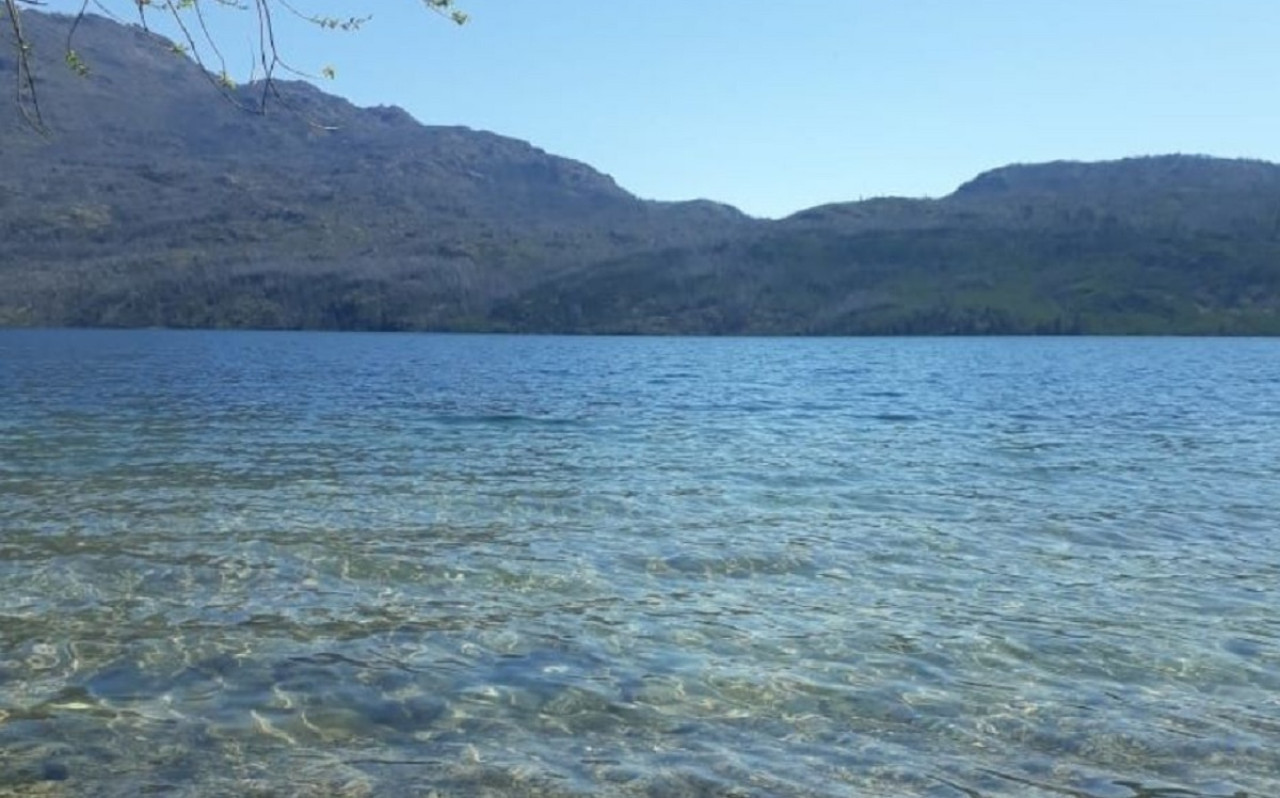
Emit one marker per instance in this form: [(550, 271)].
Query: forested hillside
[(153, 201)]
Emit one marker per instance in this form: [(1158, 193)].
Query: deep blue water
[(339, 564)]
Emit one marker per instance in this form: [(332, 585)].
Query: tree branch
[(195, 37)]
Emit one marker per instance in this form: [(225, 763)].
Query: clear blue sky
[(777, 106)]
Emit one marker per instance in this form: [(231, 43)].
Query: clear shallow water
[(306, 564)]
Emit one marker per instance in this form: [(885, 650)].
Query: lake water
[(337, 564)]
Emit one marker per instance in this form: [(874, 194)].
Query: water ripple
[(369, 565)]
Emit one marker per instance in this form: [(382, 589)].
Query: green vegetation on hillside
[(165, 206)]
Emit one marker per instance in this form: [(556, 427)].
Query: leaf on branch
[(76, 64), (447, 8)]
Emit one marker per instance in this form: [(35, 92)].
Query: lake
[(239, 563)]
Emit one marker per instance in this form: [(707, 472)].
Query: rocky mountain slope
[(154, 201)]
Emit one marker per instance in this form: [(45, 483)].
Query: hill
[(154, 202), (1160, 245)]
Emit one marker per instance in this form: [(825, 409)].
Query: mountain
[(1159, 245), (155, 201)]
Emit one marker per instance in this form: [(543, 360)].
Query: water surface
[(338, 564)]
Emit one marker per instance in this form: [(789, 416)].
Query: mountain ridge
[(157, 203)]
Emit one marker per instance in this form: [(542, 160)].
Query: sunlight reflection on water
[(363, 565)]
